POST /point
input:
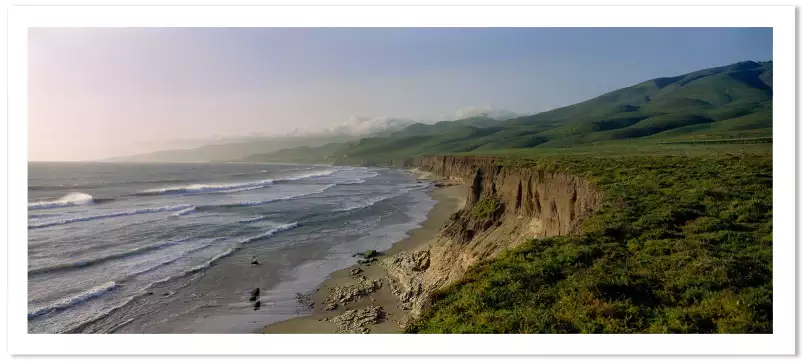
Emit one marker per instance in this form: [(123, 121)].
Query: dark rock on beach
[(366, 261)]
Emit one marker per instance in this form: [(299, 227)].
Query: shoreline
[(369, 290)]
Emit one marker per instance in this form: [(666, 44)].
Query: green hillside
[(729, 102), (301, 155)]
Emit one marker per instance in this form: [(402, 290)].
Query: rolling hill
[(233, 151), (722, 103)]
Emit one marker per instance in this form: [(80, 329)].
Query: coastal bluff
[(506, 205)]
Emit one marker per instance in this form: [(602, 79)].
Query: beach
[(158, 248), (370, 305)]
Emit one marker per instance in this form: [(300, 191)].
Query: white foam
[(205, 188), (109, 215), (253, 219), (71, 199), (374, 200), (209, 262), (308, 175), (73, 300), (230, 187), (267, 201), (270, 232), (184, 211)]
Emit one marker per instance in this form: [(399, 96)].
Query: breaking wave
[(253, 219), (230, 187), (308, 175), (372, 201), (267, 201), (270, 232), (207, 188), (73, 300), (222, 255), (103, 289), (185, 211), (71, 199), (88, 262), (106, 216)]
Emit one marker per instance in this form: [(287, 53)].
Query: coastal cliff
[(506, 205)]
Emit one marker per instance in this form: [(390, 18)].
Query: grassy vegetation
[(485, 208), (681, 244)]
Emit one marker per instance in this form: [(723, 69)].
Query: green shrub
[(485, 208), (679, 245)]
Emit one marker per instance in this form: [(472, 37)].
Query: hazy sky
[(97, 93)]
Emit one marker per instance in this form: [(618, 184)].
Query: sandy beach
[(371, 281)]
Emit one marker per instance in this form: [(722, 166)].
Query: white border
[(782, 19)]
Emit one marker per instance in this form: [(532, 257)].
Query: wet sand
[(450, 199)]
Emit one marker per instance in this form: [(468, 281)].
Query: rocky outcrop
[(345, 294), (358, 320), (505, 206)]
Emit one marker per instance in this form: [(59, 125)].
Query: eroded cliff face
[(505, 206)]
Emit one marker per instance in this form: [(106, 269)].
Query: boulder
[(358, 320)]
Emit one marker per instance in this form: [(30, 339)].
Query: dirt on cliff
[(505, 206)]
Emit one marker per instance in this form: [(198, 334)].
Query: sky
[(96, 93)]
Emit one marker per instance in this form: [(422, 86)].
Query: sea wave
[(71, 199), (94, 185), (73, 300), (207, 264), (360, 179), (375, 200), (308, 175), (207, 188), (92, 261), (230, 187), (169, 261), (270, 232), (106, 216), (185, 211), (250, 220), (295, 169), (285, 198)]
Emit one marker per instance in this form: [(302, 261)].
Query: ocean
[(167, 248)]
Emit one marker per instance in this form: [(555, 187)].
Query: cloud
[(360, 126), (364, 126), (490, 112)]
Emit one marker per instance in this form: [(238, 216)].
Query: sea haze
[(166, 248)]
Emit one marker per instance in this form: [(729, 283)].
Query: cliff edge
[(506, 206)]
